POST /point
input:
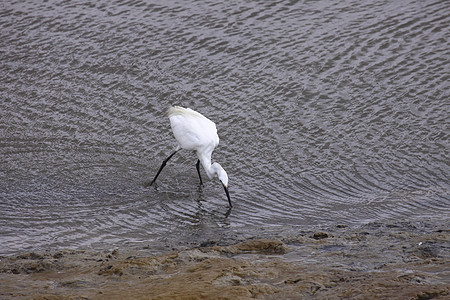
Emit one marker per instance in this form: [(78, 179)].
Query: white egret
[(193, 131)]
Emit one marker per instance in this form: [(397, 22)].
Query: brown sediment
[(356, 264)]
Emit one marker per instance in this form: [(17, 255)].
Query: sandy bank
[(374, 261)]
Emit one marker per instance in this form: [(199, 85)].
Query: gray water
[(328, 112)]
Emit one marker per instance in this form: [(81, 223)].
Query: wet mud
[(374, 261)]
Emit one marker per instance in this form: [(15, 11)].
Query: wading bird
[(193, 131)]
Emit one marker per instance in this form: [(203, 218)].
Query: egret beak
[(228, 194)]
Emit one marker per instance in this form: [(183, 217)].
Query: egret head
[(223, 177), (221, 174)]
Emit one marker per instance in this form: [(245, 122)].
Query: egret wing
[(193, 131)]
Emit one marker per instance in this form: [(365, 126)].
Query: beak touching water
[(228, 194)]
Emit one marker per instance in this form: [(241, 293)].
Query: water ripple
[(328, 112)]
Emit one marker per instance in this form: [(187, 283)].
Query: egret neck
[(213, 170)]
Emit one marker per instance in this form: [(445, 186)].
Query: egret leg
[(162, 167), (198, 171)]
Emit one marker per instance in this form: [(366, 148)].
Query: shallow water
[(328, 113)]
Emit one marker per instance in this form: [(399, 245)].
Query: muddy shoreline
[(402, 260)]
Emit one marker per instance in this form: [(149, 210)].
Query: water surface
[(328, 113)]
